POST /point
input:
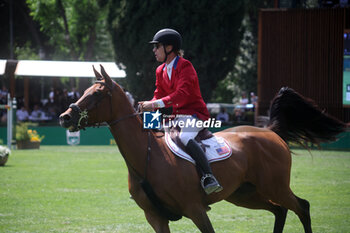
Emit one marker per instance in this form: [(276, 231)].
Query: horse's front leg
[(159, 224), (198, 215)]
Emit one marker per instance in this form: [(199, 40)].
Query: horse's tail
[(297, 119)]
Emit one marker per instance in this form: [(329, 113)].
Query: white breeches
[(190, 131)]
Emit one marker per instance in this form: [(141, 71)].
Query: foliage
[(210, 34), (24, 28), (75, 28), (78, 30), (23, 133), (243, 77), (26, 52), (244, 73), (227, 91)]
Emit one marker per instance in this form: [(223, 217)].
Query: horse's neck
[(132, 143), (129, 134)]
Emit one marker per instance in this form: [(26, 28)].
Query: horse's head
[(94, 107)]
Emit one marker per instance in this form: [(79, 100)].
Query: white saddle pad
[(217, 149)]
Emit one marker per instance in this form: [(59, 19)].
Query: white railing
[(10, 106)]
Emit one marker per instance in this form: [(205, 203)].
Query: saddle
[(215, 148), (202, 135)]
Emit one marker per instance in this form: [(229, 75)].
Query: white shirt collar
[(171, 63), (169, 67)]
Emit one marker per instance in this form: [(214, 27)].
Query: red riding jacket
[(182, 92)]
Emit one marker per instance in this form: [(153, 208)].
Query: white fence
[(10, 106)]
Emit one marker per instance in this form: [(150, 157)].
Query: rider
[(177, 86)]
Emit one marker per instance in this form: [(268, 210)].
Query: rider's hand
[(146, 106)]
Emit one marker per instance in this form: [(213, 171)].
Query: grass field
[(84, 189)]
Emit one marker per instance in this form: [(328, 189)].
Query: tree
[(210, 31), (243, 77), (57, 30), (25, 37), (76, 28), (25, 29)]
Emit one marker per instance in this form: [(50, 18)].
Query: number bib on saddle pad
[(217, 149)]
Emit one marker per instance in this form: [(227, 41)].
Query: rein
[(114, 122)]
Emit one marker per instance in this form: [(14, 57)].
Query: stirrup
[(213, 187)]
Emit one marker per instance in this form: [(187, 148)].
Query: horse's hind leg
[(301, 208), (280, 216), (246, 196), (305, 216)]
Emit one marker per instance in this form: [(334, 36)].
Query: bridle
[(114, 122), (81, 116)]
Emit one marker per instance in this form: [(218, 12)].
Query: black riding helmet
[(168, 36)]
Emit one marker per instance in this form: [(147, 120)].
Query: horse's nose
[(65, 120)]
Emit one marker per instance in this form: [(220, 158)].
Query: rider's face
[(158, 51)]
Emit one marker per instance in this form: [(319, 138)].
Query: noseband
[(79, 116)]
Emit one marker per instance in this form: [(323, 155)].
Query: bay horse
[(256, 176)]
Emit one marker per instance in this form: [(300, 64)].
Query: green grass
[(84, 189)]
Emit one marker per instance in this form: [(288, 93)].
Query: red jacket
[(182, 92)]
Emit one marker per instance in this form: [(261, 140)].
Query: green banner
[(56, 135)]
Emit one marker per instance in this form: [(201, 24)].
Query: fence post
[(9, 121), (13, 121)]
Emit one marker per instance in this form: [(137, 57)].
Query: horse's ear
[(97, 74), (108, 80)]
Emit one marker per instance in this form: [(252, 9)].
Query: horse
[(256, 176)]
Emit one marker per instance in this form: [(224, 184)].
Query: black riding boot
[(208, 181)]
